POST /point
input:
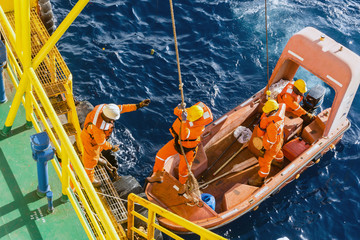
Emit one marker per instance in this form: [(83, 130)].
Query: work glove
[(307, 117), (262, 152), (180, 106), (184, 116), (112, 170), (115, 148), (102, 161), (311, 116), (144, 103)]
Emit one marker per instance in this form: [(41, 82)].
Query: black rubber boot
[(256, 180)]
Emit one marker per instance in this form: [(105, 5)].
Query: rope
[(191, 181), (267, 48), (177, 54)]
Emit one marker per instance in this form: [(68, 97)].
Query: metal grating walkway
[(52, 69), (111, 196)]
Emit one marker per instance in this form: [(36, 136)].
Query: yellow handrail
[(79, 6), (7, 26), (75, 161), (155, 209), (20, 44), (28, 79)]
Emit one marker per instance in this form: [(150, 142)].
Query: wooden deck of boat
[(23, 215)]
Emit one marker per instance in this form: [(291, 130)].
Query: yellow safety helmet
[(300, 85), (194, 113), (270, 105)]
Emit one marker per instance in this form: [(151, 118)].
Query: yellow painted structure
[(153, 210), (8, 5), (37, 76)]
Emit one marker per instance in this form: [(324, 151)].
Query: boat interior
[(223, 165), (219, 145)]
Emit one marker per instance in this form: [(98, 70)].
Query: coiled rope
[(192, 184)]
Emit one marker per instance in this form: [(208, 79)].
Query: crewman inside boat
[(292, 95), (186, 130), (270, 128), (98, 126)]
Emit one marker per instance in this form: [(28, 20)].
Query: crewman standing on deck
[(192, 121), (271, 128), (98, 126), (292, 95)]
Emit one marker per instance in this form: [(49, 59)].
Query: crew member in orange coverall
[(271, 129), (98, 126), (193, 121), (292, 95)]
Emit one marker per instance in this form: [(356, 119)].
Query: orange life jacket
[(289, 89), (291, 99), (190, 131), (271, 127)]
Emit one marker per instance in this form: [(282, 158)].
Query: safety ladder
[(54, 76)]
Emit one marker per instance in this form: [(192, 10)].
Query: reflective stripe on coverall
[(271, 128), (190, 138), (95, 134), (291, 99)]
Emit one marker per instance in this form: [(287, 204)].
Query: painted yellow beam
[(14, 106), (24, 17), (155, 209), (86, 205), (69, 19), (75, 161), (7, 26), (8, 5), (18, 31)]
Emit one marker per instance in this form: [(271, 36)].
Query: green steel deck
[(23, 215)]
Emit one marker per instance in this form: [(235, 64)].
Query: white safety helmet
[(111, 111)]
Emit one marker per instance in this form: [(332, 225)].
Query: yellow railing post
[(74, 160), (26, 51), (14, 108), (18, 30), (65, 176), (54, 38), (21, 43), (155, 209), (130, 233), (6, 25), (151, 221), (72, 116)]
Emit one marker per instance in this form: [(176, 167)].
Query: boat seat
[(315, 129), (293, 126), (236, 195)]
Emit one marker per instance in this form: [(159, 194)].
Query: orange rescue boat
[(336, 66)]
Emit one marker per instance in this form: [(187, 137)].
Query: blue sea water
[(223, 62)]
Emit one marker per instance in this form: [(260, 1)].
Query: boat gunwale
[(210, 223)]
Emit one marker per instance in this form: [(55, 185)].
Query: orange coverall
[(271, 128), (95, 134), (190, 138), (291, 99)]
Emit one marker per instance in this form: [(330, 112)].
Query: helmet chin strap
[(271, 113)]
